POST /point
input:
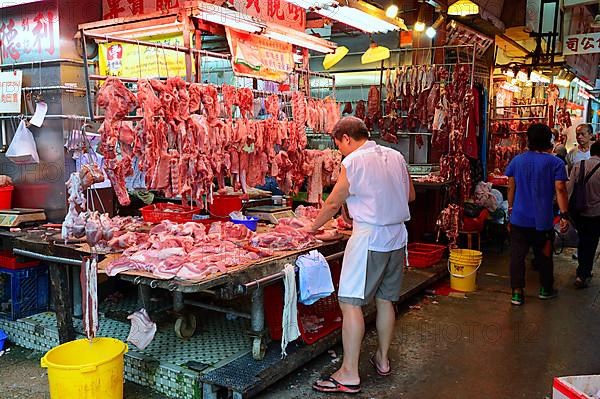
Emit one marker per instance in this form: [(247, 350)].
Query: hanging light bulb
[(392, 11), (432, 30), (463, 8), (419, 24)]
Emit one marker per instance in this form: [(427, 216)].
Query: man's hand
[(5, 181), (564, 225), (310, 229)]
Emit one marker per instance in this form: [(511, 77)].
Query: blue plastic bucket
[(3, 338), (251, 223)]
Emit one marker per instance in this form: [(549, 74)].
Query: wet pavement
[(457, 347)]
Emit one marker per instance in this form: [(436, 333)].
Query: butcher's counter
[(238, 281), (220, 357)]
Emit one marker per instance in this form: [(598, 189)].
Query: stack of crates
[(23, 288)]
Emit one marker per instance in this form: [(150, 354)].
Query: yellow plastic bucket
[(83, 370), (463, 265)]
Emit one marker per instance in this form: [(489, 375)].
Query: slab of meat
[(333, 113), (361, 110), (283, 237), (373, 107), (244, 100), (229, 99), (117, 102)]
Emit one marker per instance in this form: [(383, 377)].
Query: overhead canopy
[(161, 24)]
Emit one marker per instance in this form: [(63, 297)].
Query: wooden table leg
[(59, 284)]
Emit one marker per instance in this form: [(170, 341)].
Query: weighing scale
[(19, 216), (271, 213)]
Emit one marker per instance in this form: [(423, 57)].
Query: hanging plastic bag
[(22, 149)]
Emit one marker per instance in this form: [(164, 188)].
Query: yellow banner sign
[(137, 61), (259, 57)]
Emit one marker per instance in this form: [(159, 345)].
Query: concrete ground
[(458, 346)]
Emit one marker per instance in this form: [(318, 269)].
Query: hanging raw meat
[(361, 110), (373, 107)]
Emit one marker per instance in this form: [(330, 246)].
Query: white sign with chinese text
[(10, 91), (585, 43)]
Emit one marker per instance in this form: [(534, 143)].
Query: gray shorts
[(384, 277)]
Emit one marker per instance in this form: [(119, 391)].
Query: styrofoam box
[(576, 387)]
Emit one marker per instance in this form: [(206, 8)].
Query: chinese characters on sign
[(30, 37), (10, 91), (127, 8), (259, 57), (585, 43), (130, 60), (277, 11)]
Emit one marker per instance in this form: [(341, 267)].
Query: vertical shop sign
[(586, 43), (30, 37), (581, 46), (276, 11), (259, 57), (10, 91)]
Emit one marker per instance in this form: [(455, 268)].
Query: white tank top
[(379, 189)]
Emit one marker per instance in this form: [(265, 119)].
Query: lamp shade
[(463, 8), (332, 59), (375, 53)]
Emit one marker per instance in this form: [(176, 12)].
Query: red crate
[(327, 309), (9, 261), (156, 213), (422, 255)]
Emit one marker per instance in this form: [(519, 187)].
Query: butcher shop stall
[(162, 177)]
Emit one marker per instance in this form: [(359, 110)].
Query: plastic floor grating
[(161, 365)]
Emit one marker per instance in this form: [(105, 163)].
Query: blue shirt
[(535, 174)]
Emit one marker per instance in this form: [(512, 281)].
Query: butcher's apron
[(354, 266)]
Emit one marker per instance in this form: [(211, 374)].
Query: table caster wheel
[(185, 326), (259, 348)]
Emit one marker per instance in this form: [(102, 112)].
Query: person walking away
[(588, 222), (533, 179), (581, 152), (376, 186)]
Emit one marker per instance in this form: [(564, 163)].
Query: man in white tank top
[(375, 184)]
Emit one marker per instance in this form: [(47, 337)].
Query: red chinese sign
[(30, 37), (259, 57), (126, 8), (586, 43), (276, 11)]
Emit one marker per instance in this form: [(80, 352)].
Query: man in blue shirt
[(533, 179)]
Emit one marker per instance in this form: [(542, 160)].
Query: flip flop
[(337, 387), (377, 369)]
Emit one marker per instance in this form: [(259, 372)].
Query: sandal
[(377, 369), (337, 387)]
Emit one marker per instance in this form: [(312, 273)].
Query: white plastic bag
[(22, 149)]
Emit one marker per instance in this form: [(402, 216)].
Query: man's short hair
[(354, 127), (595, 149), (588, 126), (539, 137)]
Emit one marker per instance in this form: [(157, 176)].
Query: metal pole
[(257, 319), (55, 61), (86, 74), (220, 309), (47, 258)]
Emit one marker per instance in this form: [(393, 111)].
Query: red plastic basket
[(424, 255), (156, 213), (326, 309)]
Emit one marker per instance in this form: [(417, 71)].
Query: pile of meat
[(186, 251), (188, 138), (288, 233)]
